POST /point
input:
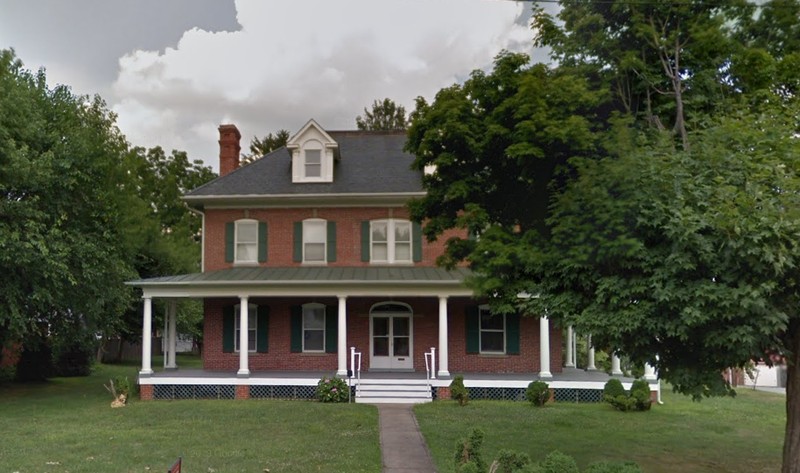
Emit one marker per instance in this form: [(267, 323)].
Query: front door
[(391, 343)]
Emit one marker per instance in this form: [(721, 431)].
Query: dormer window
[(313, 160), (312, 154)]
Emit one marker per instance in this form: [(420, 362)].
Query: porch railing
[(355, 365), (430, 365)]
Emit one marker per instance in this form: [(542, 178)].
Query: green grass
[(743, 434), (67, 425)]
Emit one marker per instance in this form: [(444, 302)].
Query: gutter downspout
[(202, 237)]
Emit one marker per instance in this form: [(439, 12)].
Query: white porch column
[(147, 337), (341, 342), (172, 315), (649, 372), (590, 364), (544, 348), (615, 369), (444, 370), (570, 363), (244, 330)]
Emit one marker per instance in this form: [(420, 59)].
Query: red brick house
[(309, 257)]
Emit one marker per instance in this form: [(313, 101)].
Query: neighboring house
[(310, 251)]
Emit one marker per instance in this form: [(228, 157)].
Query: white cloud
[(292, 61)]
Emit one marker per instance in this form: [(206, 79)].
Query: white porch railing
[(355, 365), (430, 365)]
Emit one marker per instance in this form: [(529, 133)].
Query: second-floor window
[(390, 241), (314, 239), (246, 241)]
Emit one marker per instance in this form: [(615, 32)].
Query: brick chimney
[(229, 148)]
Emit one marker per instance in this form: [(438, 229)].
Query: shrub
[(36, 361), (640, 393), (467, 456), (613, 388), (637, 400), (332, 390), (538, 393), (557, 462), (73, 358), (458, 392), (510, 461), (609, 467)]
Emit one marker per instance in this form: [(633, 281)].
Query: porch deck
[(569, 377)]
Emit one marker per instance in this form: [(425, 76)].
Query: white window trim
[(391, 244), (481, 309), (324, 224), (314, 305), (252, 315), (236, 259)]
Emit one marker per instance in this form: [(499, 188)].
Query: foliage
[(468, 457), (385, 116), (638, 399), (509, 461), (613, 467), (557, 462), (262, 146), (332, 390), (613, 388), (458, 392), (36, 360), (538, 393), (121, 385), (74, 356)]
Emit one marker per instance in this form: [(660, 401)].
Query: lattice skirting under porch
[(518, 394)]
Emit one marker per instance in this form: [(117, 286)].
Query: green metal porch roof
[(312, 274)]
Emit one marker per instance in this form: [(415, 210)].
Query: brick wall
[(425, 329), (281, 233)]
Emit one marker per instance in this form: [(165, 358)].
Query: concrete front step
[(385, 391)]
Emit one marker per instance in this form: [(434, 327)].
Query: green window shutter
[(230, 234), (416, 241), (296, 329), (331, 242), (331, 328), (228, 329), (298, 242), (262, 329), (365, 243), (472, 324), (512, 334), (262, 242)]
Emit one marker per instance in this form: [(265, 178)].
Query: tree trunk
[(791, 441)]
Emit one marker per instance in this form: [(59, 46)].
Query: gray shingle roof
[(368, 162)]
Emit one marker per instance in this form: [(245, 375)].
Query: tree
[(385, 116), (266, 145), (672, 241), (61, 261)]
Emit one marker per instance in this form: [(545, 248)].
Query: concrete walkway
[(403, 450)]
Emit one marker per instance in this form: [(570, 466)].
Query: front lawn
[(66, 425), (744, 434)]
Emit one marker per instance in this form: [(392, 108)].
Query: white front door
[(391, 341)]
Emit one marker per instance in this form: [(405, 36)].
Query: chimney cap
[(228, 128)]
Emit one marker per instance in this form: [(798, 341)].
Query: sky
[(174, 70)]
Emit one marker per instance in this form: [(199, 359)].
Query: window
[(492, 331), (314, 239), (313, 163), (246, 241), (314, 328), (252, 321), (390, 241)]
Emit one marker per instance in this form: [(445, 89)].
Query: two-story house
[(311, 266)]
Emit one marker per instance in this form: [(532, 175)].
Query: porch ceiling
[(311, 280)]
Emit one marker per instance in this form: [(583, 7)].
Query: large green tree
[(61, 265), (269, 143), (668, 224)]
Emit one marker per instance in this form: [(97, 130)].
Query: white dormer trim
[(309, 145)]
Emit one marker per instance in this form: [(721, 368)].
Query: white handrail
[(355, 367), (430, 366)]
